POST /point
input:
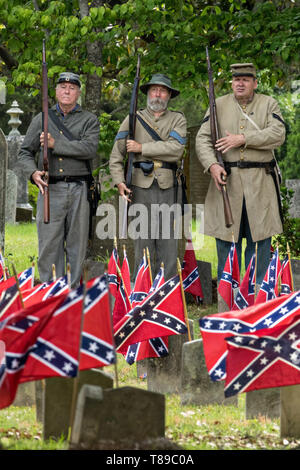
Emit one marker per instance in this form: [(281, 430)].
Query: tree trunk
[(92, 100)]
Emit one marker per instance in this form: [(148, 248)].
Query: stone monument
[(14, 142)]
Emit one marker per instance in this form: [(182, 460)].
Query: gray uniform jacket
[(263, 134), (68, 158), (171, 127)]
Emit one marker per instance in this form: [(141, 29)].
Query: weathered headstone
[(205, 275), (25, 395), (94, 268), (295, 264), (264, 402), (57, 400), (196, 386), (3, 169), (11, 197), (164, 373), (294, 210), (197, 180), (117, 418), (14, 142), (290, 411)]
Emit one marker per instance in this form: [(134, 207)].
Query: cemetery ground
[(212, 427)]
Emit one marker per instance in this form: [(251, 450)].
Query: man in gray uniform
[(251, 127), (71, 149), (155, 180)]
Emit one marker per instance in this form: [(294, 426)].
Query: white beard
[(157, 104)]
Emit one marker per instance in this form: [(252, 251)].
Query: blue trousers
[(263, 249)]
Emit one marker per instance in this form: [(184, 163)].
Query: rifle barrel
[(45, 130), (214, 128)]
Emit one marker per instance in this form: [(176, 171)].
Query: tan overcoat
[(171, 127), (265, 133)]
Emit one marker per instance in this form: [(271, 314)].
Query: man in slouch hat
[(72, 142), (250, 128), (160, 137)]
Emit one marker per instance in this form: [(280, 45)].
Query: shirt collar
[(72, 110)]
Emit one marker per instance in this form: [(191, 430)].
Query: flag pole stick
[(3, 267), (76, 378), (113, 336), (149, 263), (121, 277), (291, 272), (18, 284), (183, 300), (279, 274), (115, 243), (53, 272), (255, 270), (69, 275)]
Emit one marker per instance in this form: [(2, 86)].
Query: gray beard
[(157, 104)]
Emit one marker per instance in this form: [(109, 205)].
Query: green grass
[(21, 246), (212, 427)]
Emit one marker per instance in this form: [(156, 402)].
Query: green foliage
[(291, 227), (172, 34), (33, 192), (108, 131), (291, 164)]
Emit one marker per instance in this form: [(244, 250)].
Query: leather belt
[(246, 164), (157, 164), (67, 179)]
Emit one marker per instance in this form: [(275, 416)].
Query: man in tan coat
[(250, 128), (160, 137)]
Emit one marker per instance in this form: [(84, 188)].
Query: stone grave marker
[(290, 411), (294, 210), (120, 418), (3, 170), (57, 400), (25, 395), (264, 402), (11, 197), (164, 373), (196, 386)]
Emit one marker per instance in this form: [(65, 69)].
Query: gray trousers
[(159, 231), (64, 240)]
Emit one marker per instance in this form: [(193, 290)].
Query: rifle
[(131, 134), (214, 137), (45, 130)]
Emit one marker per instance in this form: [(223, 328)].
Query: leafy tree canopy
[(101, 40)]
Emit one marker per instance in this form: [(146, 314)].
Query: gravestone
[(205, 275), (14, 142), (196, 386), (11, 197), (294, 210), (117, 418), (23, 209), (197, 180), (25, 395), (290, 411), (264, 402), (3, 170), (295, 265), (57, 400), (94, 268), (164, 373)]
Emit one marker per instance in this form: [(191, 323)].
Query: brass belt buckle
[(157, 164)]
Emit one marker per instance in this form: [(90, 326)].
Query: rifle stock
[(45, 130), (131, 135), (214, 137)]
